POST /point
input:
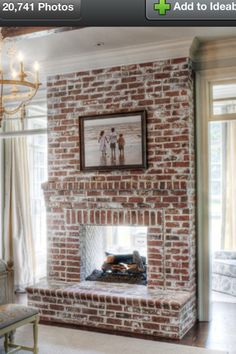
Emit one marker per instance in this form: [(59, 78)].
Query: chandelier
[(17, 85)]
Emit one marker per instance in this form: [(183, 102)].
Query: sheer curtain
[(1, 195), (229, 231), (18, 235)]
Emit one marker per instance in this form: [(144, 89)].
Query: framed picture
[(116, 141)]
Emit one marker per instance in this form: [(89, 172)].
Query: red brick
[(138, 196)]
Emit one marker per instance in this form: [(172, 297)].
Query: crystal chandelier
[(17, 85)]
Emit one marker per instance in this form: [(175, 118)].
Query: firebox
[(116, 254)]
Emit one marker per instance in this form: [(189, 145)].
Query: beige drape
[(18, 234), (229, 237), (1, 196)]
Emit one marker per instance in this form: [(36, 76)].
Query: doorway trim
[(204, 80)]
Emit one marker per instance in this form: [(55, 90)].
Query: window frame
[(220, 117), (204, 80)]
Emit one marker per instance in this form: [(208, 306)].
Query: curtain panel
[(229, 197), (18, 234), (1, 197)]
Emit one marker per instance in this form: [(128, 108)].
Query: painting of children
[(113, 141)]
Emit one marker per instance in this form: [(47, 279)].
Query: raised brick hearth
[(123, 308), (161, 197)]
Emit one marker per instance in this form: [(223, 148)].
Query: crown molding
[(207, 55), (216, 54), (120, 56), (194, 49)]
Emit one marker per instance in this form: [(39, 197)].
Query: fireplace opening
[(116, 254)]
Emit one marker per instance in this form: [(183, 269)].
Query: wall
[(161, 197)]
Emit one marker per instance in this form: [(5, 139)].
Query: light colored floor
[(58, 340)]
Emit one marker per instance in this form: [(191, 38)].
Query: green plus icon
[(162, 7)]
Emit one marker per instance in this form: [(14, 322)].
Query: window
[(36, 120), (222, 166), (216, 170), (35, 133), (223, 99)]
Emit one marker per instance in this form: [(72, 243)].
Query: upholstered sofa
[(224, 272)]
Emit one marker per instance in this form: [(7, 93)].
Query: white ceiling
[(83, 42)]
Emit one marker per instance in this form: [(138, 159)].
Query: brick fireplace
[(162, 198)]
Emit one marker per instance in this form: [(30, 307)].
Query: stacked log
[(124, 263)]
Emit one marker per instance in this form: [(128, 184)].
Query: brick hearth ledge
[(115, 307)]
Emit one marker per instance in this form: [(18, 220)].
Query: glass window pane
[(36, 118), (224, 91), (217, 158), (222, 184), (224, 107)]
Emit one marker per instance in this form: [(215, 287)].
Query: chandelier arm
[(19, 83), (18, 96), (23, 103)]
